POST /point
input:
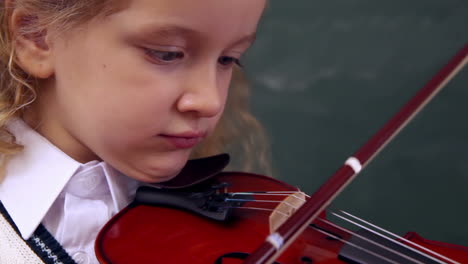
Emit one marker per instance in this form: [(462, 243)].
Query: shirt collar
[(36, 176)]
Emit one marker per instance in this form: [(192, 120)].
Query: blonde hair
[(237, 130)]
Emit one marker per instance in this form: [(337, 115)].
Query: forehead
[(218, 18)]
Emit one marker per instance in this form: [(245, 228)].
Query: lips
[(183, 140)]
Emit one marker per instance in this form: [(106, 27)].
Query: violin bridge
[(285, 209)]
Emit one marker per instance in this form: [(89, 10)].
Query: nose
[(203, 92)]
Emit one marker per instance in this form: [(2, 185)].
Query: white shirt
[(72, 200)]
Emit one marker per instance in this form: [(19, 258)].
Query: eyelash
[(230, 61), (164, 57)]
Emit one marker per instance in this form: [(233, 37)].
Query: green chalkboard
[(326, 74)]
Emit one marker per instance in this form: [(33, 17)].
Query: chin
[(162, 171), (155, 168), (157, 175)]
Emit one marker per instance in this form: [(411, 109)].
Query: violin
[(205, 215)]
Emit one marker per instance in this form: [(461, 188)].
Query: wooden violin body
[(160, 234)]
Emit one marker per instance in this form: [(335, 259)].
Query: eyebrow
[(170, 31)]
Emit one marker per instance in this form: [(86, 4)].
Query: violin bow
[(278, 241)]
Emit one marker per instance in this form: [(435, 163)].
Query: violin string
[(370, 241), (251, 200), (256, 208), (280, 193), (390, 239), (354, 245), (338, 238), (285, 193), (266, 201), (270, 194), (387, 238), (253, 192), (260, 201), (401, 238)]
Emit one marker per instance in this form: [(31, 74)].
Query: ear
[(32, 49)]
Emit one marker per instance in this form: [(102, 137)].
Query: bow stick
[(278, 241)]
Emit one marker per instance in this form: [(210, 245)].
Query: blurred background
[(326, 75)]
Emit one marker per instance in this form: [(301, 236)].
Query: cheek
[(109, 87), (226, 87), (120, 108)]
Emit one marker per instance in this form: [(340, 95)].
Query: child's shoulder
[(13, 249), (40, 248)]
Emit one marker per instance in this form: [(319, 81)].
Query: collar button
[(81, 257)]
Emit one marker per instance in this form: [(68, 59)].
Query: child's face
[(132, 87)]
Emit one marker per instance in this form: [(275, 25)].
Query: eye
[(164, 56), (226, 61)]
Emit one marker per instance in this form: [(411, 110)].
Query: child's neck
[(46, 124)]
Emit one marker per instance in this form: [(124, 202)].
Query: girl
[(97, 96)]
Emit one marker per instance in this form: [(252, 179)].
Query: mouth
[(184, 140)]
